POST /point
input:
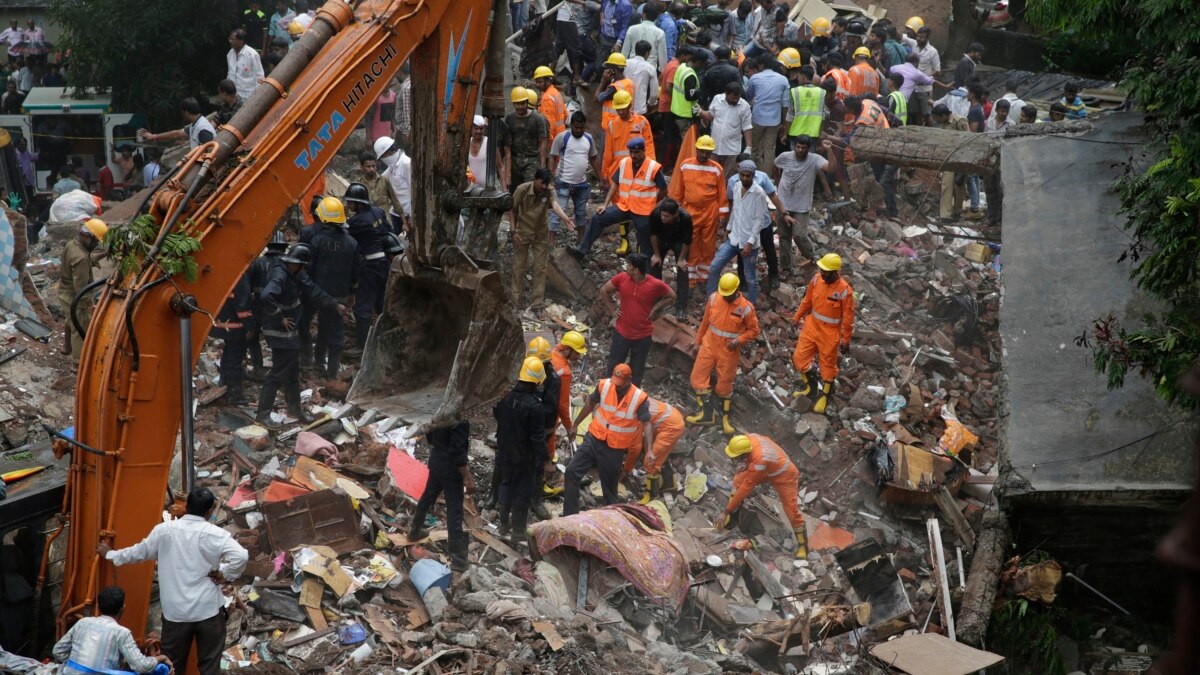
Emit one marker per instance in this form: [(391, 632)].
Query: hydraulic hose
[(75, 305)]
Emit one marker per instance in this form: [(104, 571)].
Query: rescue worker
[(619, 130), (368, 226), (524, 146), (864, 79), (281, 317), (685, 90), (449, 477), (620, 410), (699, 187), (230, 327), (259, 270), (633, 190), (532, 203), (828, 305), (761, 460), (552, 106), (567, 353), (334, 269), (806, 106), (75, 273), (668, 426), (838, 74), (729, 323), (611, 82), (520, 448), (550, 395)]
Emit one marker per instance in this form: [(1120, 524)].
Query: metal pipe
[(1094, 590), (187, 430)]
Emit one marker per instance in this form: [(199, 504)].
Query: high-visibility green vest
[(680, 106), (807, 101), (899, 105)]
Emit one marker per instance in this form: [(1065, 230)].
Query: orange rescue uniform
[(843, 82), (724, 322), (637, 191), (614, 420), (617, 133), (563, 369), (768, 463), (872, 115), (668, 426), (864, 80), (554, 109), (699, 187), (830, 312)]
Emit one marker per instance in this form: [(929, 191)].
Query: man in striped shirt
[(98, 643)]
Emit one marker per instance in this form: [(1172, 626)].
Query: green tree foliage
[(128, 245), (151, 54), (1160, 40)]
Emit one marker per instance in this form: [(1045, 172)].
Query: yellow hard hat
[(706, 142), (737, 446), (295, 28), (863, 52), (539, 347), (830, 262), (622, 100), (96, 227), (331, 210), (532, 370), (914, 23), (728, 284), (518, 95), (790, 57), (575, 341), (531, 95), (616, 59), (542, 71), (821, 27)]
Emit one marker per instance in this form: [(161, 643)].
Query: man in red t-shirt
[(643, 297)]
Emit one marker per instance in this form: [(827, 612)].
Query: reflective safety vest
[(615, 420), (607, 110), (554, 109), (872, 115), (680, 106), (831, 306), (843, 82), (899, 105), (767, 458), (726, 321), (807, 106), (637, 192)]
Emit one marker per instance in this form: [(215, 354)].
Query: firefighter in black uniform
[(450, 476), (551, 386), (520, 443), (286, 285), (230, 327), (333, 269), (369, 226), (258, 272)]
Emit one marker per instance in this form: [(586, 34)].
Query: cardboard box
[(979, 253)]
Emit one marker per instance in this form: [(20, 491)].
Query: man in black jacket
[(551, 386), (369, 226), (230, 327), (286, 285), (259, 270), (450, 476), (334, 269), (520, 443)]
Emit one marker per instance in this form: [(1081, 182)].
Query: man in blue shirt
[(669, 23), (614, 21), (767, 92)]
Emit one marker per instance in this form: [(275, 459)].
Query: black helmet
[(392, 245), (298, 253), (277, 243), (357, 192), (856, 28)]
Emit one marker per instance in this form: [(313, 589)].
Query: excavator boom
[(230, 193)]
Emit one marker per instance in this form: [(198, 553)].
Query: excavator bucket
[(446, 344)]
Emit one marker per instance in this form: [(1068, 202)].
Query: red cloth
[(637, 299)]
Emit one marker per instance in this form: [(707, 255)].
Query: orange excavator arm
[(230, 193)]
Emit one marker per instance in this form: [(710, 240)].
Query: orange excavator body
[(230, 193)]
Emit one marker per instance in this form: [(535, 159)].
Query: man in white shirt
[(244, 65), (648, 31), (930, 63), (729, 118), (13, 37), (571, 153), (192, 554), (1014, 103), (645, 78), (748, 209), (399, 174)]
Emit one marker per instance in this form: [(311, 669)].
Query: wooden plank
[(402, 539), (550, 633), (495, 543), (311, 591), (928, 148), (933, 528), (307, 638), (952, 513), (931, 654), (317, 618)]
